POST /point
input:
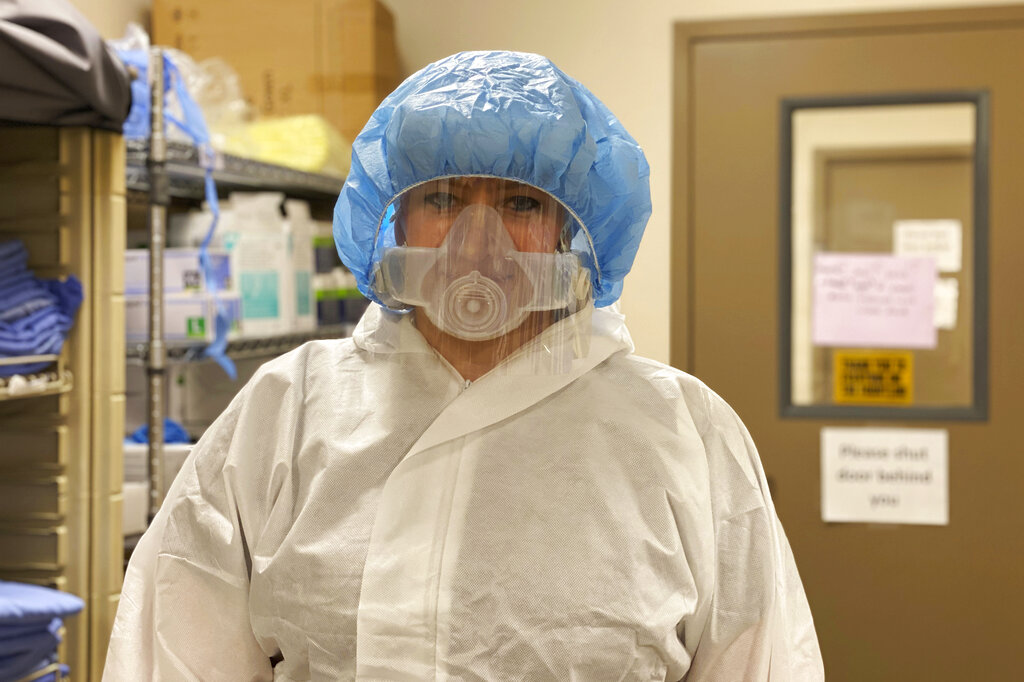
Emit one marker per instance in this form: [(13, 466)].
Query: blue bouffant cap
[(508, 115)]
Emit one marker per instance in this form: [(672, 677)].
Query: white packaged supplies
[(187, 317), (182, 271), (271, 247)]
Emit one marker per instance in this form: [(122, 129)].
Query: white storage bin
[(135, 508), (136, 456)]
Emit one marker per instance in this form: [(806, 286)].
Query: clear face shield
[(488, 264)]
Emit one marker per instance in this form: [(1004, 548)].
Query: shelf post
[(159, 198)]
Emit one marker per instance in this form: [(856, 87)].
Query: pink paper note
[(874, 301)]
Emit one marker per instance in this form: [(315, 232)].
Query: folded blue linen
[(22, 654), (21, 604), (38, 322), (30, 622)]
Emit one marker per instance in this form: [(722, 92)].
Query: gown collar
[(514, 385)]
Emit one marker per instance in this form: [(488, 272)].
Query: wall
[(111, 17), (621, 51)]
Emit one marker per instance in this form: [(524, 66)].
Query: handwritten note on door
[(874, 301)]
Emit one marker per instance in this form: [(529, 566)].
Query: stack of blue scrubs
[(35, 314), (31, 618)]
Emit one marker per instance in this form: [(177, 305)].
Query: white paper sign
[(938, 239), (873, 301), (885, 475), (947, 296)]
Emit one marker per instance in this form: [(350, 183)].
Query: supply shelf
[(46, 382), (231, 173), (185, 351), (61, 428)]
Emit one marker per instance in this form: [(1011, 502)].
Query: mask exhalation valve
[(474, 307)]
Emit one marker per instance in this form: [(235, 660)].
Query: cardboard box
[(335, 58)]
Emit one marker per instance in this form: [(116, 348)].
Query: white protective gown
[(361, 512)]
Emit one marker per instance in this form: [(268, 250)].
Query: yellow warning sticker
[(873, 377)]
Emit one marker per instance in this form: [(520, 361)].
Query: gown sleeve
[(184, 608), (759, 627)]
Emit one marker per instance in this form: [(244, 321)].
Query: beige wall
[(111, 16), (620, 50)]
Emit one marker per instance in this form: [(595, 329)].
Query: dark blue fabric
[(22, 671), (22, 654), (12, 282), (25, 303), (35, 315), (23, 298), (173, 433), (30, 622), (506, 115), (20, 629)]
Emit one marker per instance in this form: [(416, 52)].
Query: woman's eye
[(522, 203), (441, 201)]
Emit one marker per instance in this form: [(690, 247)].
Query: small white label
[(879, 475), (938, 239), (947, 296)]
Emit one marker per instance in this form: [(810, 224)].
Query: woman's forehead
[(468, 183)]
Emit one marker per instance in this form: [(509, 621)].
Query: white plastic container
[(302, 312), (254, 233), (188, 230)]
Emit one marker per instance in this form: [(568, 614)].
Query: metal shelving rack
[(232, 173), (159, 171), (245, 347), (159, 199)]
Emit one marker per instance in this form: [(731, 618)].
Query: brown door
[(890, 601)]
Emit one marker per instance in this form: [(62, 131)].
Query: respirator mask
[(480, 255)]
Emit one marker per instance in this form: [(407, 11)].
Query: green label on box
[(195, 327), (259, 294), (334, 294), (303, 304)]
